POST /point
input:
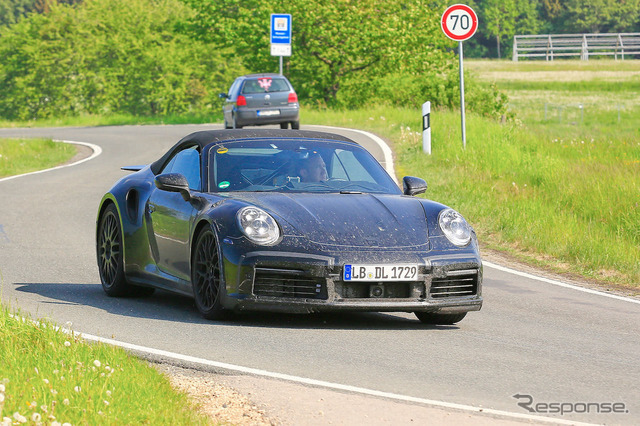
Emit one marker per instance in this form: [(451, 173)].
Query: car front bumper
[(304, 283)]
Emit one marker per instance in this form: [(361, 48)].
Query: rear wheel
[(439, 319), (206, 277), (110, 259), (295, 125), (234, 124)]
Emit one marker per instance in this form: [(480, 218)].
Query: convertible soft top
[(206, 137)]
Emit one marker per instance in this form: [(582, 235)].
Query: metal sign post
[(459, 22), (280, 36)]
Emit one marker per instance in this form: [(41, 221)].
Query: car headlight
[(258, 225), (455, 228)]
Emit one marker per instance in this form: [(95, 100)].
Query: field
[(19, 156)]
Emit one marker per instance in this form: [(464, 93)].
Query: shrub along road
[(550, 344)]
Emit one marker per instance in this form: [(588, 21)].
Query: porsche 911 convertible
[(285, 220)]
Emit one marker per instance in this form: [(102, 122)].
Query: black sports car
[(293, 221)]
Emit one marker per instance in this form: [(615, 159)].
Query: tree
[(108, 56), (504, 18)]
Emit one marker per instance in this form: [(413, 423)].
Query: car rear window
[(265, 84)]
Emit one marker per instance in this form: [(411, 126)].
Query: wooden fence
[(550, 46)]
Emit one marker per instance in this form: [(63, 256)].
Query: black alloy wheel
[(206, 277), (110, 258), (439, 319), (110, 254)]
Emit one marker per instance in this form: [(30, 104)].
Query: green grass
[(47, 375), (19, 156)]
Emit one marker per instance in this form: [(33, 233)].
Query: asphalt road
[(556, 344)]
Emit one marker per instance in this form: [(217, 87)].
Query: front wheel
[(206, 277), (110, 259), (439, 319)]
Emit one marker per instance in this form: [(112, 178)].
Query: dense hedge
[(105, 56)]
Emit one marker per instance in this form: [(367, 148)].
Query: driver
[(313, 169)]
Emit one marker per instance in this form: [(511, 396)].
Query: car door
[(171, 217)]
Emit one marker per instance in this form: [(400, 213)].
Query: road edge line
[(559, 283)]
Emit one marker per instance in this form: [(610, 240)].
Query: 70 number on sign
[(459, 22)]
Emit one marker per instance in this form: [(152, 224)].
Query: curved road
[(556, 344)]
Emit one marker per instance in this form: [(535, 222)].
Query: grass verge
[(18, 156), (49, 376)]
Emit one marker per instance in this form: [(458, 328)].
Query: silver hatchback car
[(259, 99)]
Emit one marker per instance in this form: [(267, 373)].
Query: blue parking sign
[(280, 28)]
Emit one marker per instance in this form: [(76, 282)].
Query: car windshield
[(265, 84), (295, 165)]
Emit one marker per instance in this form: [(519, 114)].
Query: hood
[(355, 220)]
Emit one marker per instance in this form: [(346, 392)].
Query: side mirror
[(413, 185), (223, 95), (173, 182)]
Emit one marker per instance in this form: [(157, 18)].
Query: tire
[(284, 125), (234, 124), (206, 277), (439, 319), (295, 125), (110, 260), (226, 125)]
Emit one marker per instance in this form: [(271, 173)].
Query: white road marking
[(323, 384), (96, 151), (559, 283)]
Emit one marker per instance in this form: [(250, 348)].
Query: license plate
[(379, 273), (268, 113)]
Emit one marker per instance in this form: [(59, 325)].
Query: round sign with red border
[(459, 22)]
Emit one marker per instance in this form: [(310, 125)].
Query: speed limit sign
[(459, 22)]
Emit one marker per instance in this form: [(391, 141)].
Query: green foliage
[(107, 56)]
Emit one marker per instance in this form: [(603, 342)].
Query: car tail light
[(242, 101), (293, 98)]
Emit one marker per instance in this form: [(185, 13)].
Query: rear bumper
[(249, 116)]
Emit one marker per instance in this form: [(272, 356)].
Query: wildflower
[(37, 372), (44, 408), (36, 417), (55, 424), (65, 401), (68, 324), (7, 421), (77, 389), (97, 363), (55, 372), (67, 343), (46, 381), (19, 417), (106, 402), (54, 392), (1, 398), (33, 405), (382, 118), (108, 393), (2, 388)]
